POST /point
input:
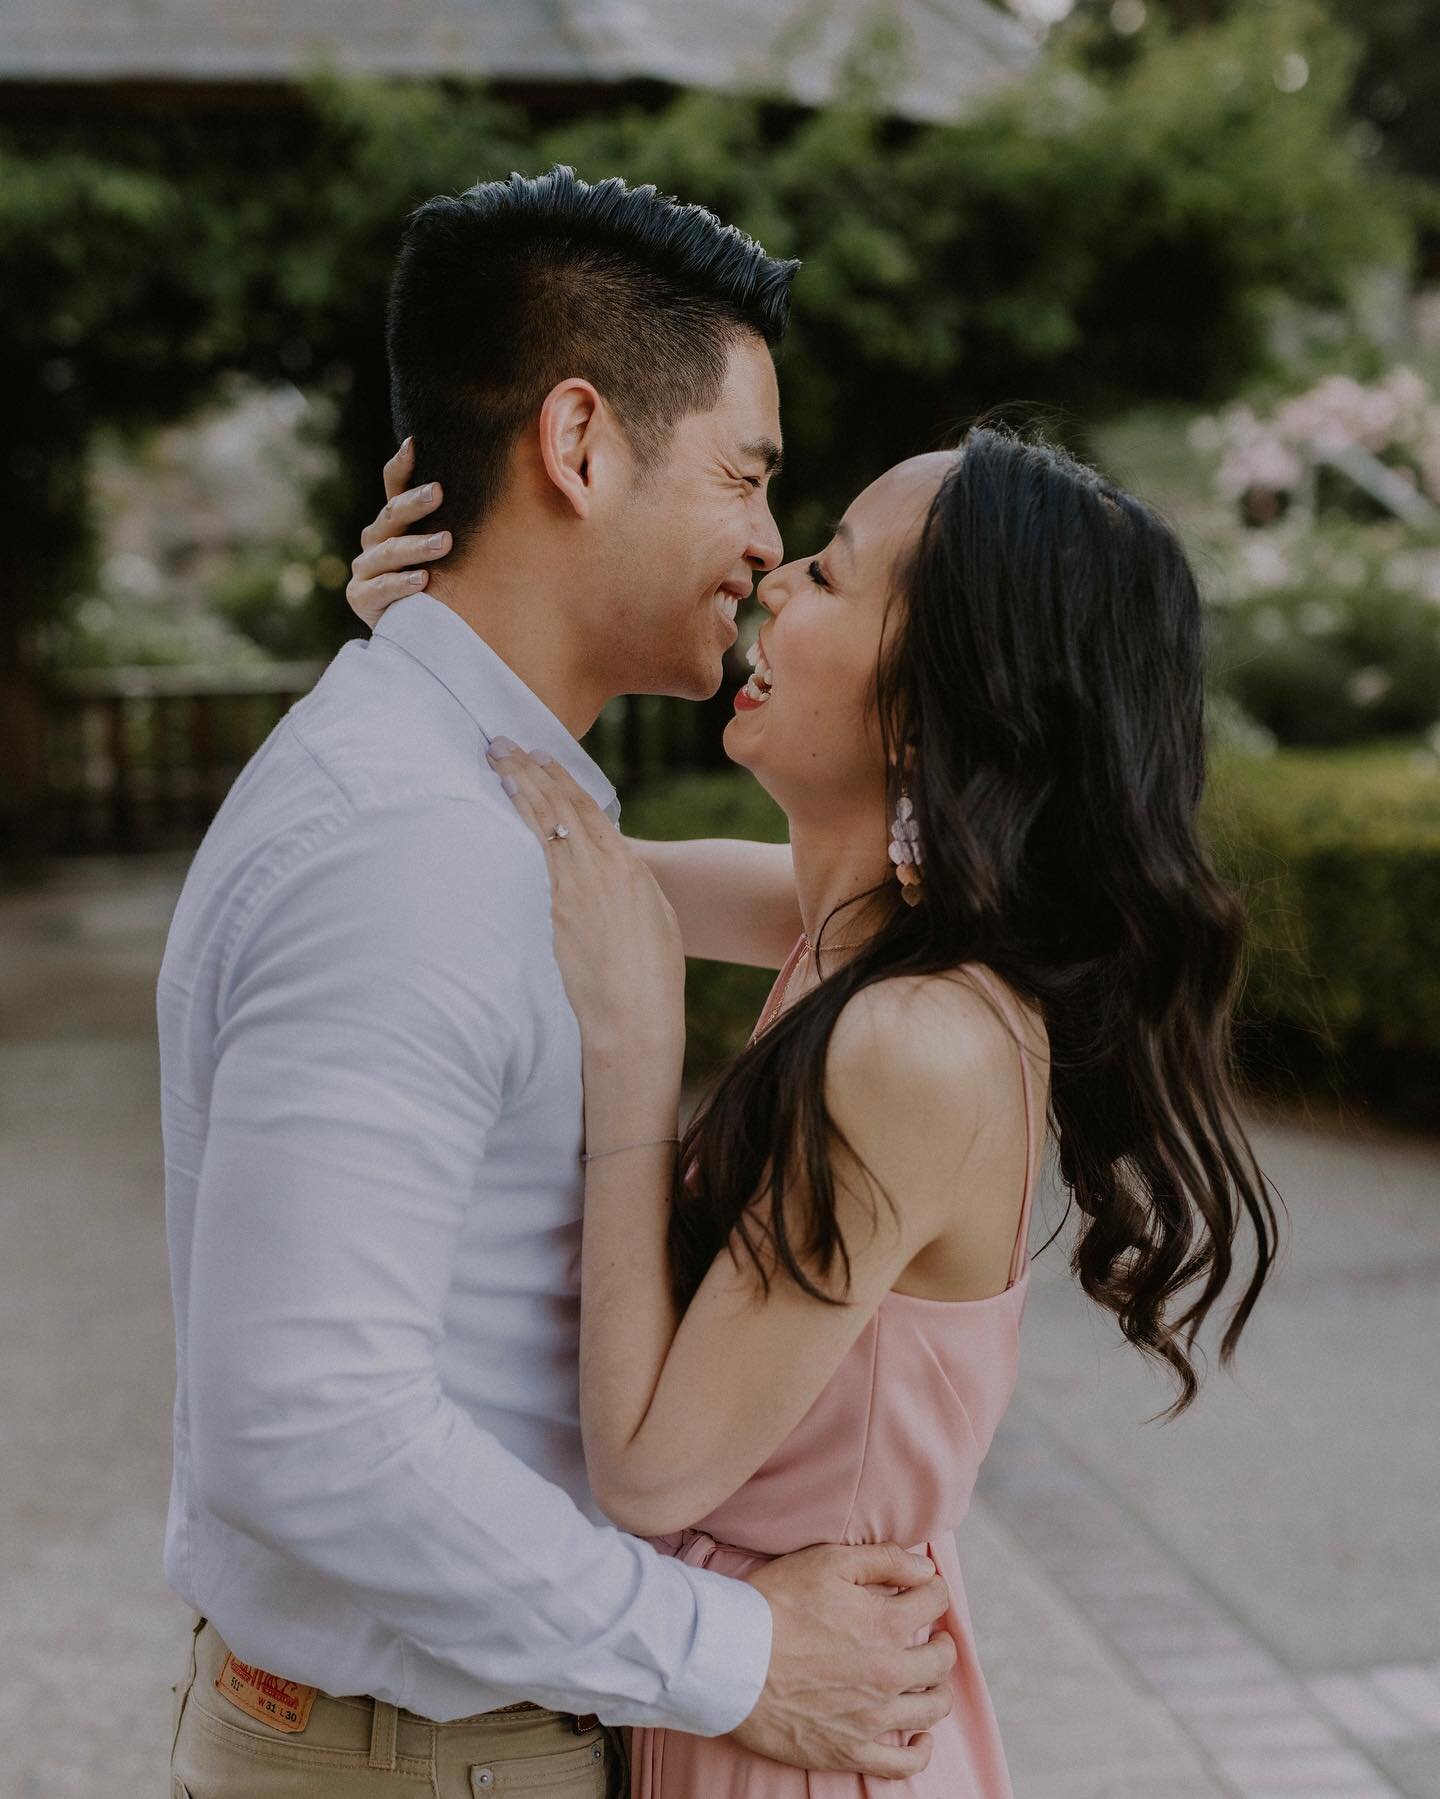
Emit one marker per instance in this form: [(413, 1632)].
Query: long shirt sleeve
[(384, 999)]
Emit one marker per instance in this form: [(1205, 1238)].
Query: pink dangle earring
[(905, 850)]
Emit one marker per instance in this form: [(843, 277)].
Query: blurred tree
[(1394, 96), (1098, 241), (92, 329), (1097, 236)]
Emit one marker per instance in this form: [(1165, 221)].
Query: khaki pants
[(360, 1748)]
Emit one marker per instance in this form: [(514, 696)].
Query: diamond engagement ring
[(559, 831)]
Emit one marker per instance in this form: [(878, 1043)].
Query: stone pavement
[(1246, 1602), (1269, 1564)]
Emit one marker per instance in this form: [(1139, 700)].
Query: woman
[(981, 708)]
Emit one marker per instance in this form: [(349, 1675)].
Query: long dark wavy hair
[(1044, 687)]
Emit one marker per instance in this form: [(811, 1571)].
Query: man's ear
[(573, 419)]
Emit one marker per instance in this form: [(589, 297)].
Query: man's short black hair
[(503, 291)]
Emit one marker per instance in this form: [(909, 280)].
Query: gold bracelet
[(591, 1155)]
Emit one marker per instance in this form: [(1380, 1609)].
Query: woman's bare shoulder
[(945, 1025), (936, 1042)]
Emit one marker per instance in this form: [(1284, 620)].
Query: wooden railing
[(141, 758)]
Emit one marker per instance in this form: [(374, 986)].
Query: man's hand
[(842, 1669)]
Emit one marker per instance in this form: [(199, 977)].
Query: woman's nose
[(768, 591)]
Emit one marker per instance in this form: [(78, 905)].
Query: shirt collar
[(488, 688)]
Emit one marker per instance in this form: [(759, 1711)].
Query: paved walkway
[(1244, 1603), (1268, 1565)]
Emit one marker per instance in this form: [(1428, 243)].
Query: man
[(371, 1085)]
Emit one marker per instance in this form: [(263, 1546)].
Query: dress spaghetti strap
[(777, 990), (997, 992), (1018, 1254)]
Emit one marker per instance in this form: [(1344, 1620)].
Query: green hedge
[(1336, 855)]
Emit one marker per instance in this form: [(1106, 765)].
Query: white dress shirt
[(373, 1114)]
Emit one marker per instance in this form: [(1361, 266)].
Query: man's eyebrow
[(766, 450)]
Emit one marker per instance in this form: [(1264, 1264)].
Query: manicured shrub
[(1337, 857)]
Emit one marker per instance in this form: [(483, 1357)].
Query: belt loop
[(382, 1736)]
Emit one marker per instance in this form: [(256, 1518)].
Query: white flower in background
[(1264, 563), (134, 575), (1411, 394), (1367, 685), (296, 583), (1127, 17), (1316, 619), (1045, 12), (1395, 417), (1206, 434), (1262, 462), (1427, 454), (1427, 575), (1402, 572), (1291, 73)]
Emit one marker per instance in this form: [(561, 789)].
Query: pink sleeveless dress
[(889, 1451)]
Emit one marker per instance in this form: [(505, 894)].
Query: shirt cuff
[(729, 1659)]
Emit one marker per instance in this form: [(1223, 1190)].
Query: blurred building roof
[(946, 54)]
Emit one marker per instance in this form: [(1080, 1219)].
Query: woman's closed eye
[(817, 574)]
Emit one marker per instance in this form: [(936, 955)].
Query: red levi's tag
[(282, 1704)]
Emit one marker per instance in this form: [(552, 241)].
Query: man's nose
[(766, 548)]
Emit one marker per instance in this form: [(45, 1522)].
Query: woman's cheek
[(832, 713)]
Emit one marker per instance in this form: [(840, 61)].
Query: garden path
[(1234, 1604)]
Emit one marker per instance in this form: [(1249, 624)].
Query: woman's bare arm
[(735, 899), (678, 1411)]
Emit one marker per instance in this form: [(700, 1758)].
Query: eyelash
[(816, 575)]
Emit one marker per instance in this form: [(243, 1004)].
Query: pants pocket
[(579, 1773)]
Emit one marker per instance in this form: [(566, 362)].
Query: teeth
[(729, 604), (758, 686)]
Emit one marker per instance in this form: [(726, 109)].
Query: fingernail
[(541, 756), (510, 784), (427, 493), (437, 542), (416, 578), (408, 442), (502, 746)]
